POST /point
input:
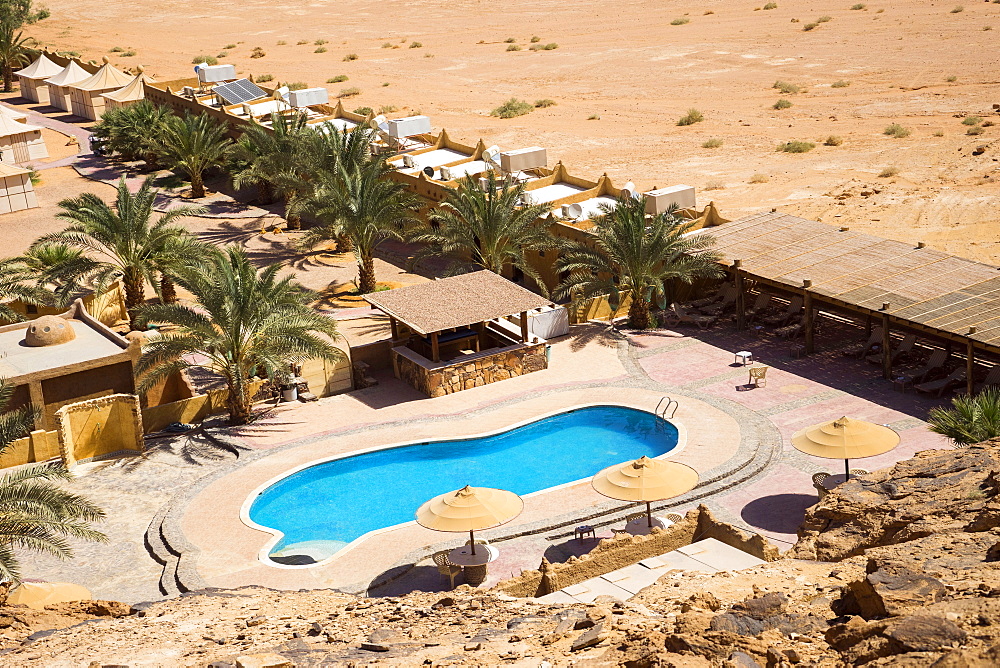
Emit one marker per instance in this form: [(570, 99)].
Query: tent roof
[(8, 127), (7, 169), (42, 68), (131, 93), (70, 74), (106, 78), (13, 113)]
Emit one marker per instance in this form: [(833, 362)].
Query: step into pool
[(324, 507)]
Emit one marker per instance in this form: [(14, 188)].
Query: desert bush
[(951, 79), (972, 120), (824, 19), (681, 21), (320, 49), (257, 52), (550, 46), (387, 109), (340, 78), (890, 171), (714, 142), (786, 88), (536, 39), (115, 49), (896, 130), (207, 60), (987, 28), (387, 45), (428, 55), (938, 133), (229, 47), (708, 12), (349, 57), (349, 92), (513, 47), (298, 85), (511, 108), (771, 5), (810, 26), (833, 140), (131, 52), (264, 78), (594, 117), (782, 104), (282, 42), (220, 54), (975, 130), (542, 104), (384, 84), (957, 9), (320, 42), (510, 40), (796, 146), (415, 45), (760, 178), (715, 185), (301, 42), (840, 84), (858, 6), (988, 124), (363, 111), (691, 117)]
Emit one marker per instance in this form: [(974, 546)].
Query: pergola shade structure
[(58, 85), (908, 285), (461, 332), (32, 79), (20, 142), (86, 96)]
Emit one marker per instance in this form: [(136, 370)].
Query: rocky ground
[(898, 569)]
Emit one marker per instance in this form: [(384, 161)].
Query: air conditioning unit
[(523, 159), (308, 97), (445, 174), (216, 73), (659, 200), (187, 92), (409, 126)]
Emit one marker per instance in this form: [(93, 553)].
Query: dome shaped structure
[(48, 330)]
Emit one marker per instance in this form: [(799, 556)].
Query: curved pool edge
[(263, 555)]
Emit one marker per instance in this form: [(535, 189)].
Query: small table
[(583, 531), (902, 382), (745, 357), (640, 526), (462, 556)]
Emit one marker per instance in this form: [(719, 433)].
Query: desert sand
[(913, 62)]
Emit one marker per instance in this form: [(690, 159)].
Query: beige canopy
[(845, 439), (469, 509), (646, 480), (133, 92), (8, 127), (42, 68), (106, 78), (13, 114), (70, 74), (37, 595)]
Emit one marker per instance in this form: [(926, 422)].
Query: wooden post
[(393, 329), (970, 362), (807, 302), (741, 299), (886, 343), (524, 326), (435, 351)]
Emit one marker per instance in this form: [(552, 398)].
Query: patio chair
[(860, 471), (859, 350), (633, 516), (682, 317), (905, 346), (761, 305), (478, 542), (955, 377), (728, 299), (445, 567), (758, 376), (992, 379), (705, 301), (794, 306), (936, 361), (818, 479), (673, 517)]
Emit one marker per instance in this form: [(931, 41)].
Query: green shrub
[(220, 54), (952, 79), (796, 146), (415, 45), (257, 52), (858, 6), (510, 40), (782, 104), (771, 5), (229, 47), (593, 117), (957, 9), (384, 84), (320, 42), (810, 26), (975, 130), (890, 171), (387, 45), (349, 92), (760, 178), (840, 84), (896, 130), (536, 39), (320, 49), (786, 88), (298, 85), (282, 42), (387, 109), (691, 117), (131, 52), (712, 143), (264, 78), (513, 47), (824, 19), (349, 57), (938, 133), (972, 120), (301, 42), (207, 60), (833, 140), (337, 79), (681, 21), (363, 111), (115, 49), (542, 104), (511, 108), (551, 46)]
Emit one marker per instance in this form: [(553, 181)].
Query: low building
[(57, 360), (129, 95), (16, 190), (20, 142), (86, 96), (32, 79), (461, 332), (59, 84)]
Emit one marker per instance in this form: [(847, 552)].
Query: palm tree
[(246, 322), (277, 160), (18, 281), (133, 132), (488, 226), (333, 148), (118, 242), (35, 512), (639, 253), (13, 53), (363, 207), (193, 144), (970, 419)]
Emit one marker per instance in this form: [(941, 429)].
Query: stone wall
[(489, 368), (623, 550)]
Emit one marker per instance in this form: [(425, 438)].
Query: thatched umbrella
[(845, 439), (646, 480), (470, 509)]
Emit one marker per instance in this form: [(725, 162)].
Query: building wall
[(99, 428), (16, 193), (35, 90), (21, 148), (83, 385), (472, 373)]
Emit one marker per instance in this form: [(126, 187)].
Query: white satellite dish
[(408, 161), (629, 191), (574, 211)]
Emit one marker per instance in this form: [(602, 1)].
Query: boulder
[(592, 636), (268, 660), (892, 590), (924, 633)]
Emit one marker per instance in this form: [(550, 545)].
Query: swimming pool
[(323, 507)]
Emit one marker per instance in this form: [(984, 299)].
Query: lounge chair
[(859, 350), (761, 305), (705, 301), (794, 306), (936, 361), (905, 346), (955, 377), (818, 479), (797, 329), (682, 317), (445, 567), (728, 299), (992, 379), (758, 376)]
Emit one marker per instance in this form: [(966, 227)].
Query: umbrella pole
[(649, 516), (847, 470), (472, 539)]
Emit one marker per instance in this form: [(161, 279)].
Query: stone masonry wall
[(473, 373)]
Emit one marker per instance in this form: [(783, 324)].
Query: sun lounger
[(905, 346), (705, 301), (954, 378), (761, 305), (728, 299), (682, 317), (992, 379), (936, 361), (859, 350), (797, 329), (794, 306)]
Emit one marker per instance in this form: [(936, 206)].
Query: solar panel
[(239, 91)]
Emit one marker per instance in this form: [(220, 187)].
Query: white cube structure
[(16, 191), (33, 78), (216, 73), (659, 200), (308, 97), (523, 159), (409, 126)]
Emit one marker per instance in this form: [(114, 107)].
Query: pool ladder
[(666, 405)]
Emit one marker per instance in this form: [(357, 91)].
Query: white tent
[(85, 96), (20, 142), (59, 84), (129, 95), (13, 114), (16, 191), (33, 78)]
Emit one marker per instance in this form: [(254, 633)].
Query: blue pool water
[(328, 505)]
